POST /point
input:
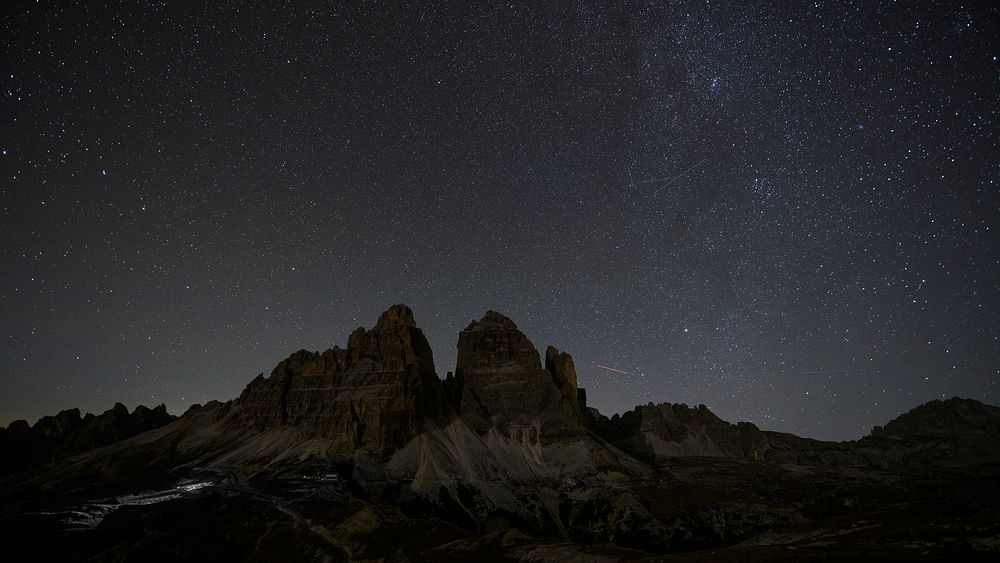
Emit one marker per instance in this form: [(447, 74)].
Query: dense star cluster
[(790, 214)]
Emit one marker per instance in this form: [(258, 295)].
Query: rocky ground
[(695, 509), (364, 454)]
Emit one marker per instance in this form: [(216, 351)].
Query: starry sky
[(788, 212)]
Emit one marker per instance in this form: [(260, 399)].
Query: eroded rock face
[(377, 394), (560, 366), (669, 430), (67, 434), (949, 433), (500, 383), (513, 458), (952, 417)]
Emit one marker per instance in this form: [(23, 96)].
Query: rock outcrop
[(947, 433), (67, 433), (499, 383), (953, 417), (364, 453), (654, 432), (376, 394)]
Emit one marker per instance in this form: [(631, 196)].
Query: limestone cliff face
[(377, 394), (670, 430), (500, 383), (560, 366), (67, 434)]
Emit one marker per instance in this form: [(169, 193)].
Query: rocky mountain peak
[(660, 431), (67, 434), (500, 383), (61, 424), (394, 339), (492, 343), (492, 320), (375, 394), (943, 418), (560, 366), (397, 315)]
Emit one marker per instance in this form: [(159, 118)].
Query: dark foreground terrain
[(713, 509), (364, 454)]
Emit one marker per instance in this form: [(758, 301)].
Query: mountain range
[(364, 453)]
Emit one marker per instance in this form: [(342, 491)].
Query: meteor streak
[(612, 369), (674, 179)]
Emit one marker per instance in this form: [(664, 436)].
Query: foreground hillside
[(363, 452)]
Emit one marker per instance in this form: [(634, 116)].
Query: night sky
[(790, 214)]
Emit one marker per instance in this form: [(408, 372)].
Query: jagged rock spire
[(500, 383), (377, 394)]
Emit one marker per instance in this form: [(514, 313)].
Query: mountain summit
[(376, 394), (500, 383), (363, 452)]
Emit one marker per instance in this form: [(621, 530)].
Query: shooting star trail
[(674, 179), (612, 369)]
